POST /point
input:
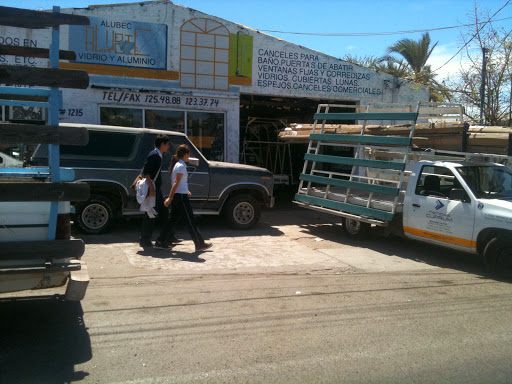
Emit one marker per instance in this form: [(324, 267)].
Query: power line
[(476, 33), (364, 34)]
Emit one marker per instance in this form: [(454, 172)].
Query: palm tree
[(416, 53), (390, 65)]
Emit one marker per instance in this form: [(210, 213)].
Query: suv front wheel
[(94, 215), (242, 211)]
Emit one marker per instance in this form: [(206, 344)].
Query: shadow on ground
[(420, 252), (171, 254), (127, 230), (43, 338)]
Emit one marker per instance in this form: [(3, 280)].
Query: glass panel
[(206, 131), (122, 117), (103, 144), (166, 120)]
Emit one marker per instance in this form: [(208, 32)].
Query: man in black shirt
[(152, 173)]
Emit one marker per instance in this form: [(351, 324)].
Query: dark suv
[(115, 156)]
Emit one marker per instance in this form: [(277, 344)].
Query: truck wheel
[(242, 211), (355, 229), (497, 252), (94, 215)]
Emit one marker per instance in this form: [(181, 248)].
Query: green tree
[(412, 65), (416, 54), (466, 86)]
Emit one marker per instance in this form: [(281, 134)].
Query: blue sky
[(339, 16)]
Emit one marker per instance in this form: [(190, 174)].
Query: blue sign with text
[(122, 43)]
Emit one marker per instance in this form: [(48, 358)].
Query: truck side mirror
[(193, 161), (457, 194)]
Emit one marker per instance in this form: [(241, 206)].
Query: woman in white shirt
[(178, 198)]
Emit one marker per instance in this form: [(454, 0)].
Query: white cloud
[(350, 47), (439, 57)]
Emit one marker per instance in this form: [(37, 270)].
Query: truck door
[(198, 176), (431, 215)]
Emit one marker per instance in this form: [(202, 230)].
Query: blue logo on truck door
[(439, 205)]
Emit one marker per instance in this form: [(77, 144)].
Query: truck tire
[(242, 211), (94, 215), (355, 229), (497, 252)]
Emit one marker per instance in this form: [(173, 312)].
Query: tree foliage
[(412, 65), (466, 87)]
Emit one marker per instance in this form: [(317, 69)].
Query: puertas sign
[(300, 71), (121, 43)]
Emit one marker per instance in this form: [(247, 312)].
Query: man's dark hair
[(161, 139)]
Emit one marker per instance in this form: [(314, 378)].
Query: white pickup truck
[(451, 201)]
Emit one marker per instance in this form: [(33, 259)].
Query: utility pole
[(482, 86)]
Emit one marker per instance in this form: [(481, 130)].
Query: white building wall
[(159, 49)]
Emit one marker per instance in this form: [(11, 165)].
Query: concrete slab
[(265, 253), (369, 260)]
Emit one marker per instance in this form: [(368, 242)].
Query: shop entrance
[(261, 120)]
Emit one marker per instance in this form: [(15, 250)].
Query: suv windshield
[(488, 182)]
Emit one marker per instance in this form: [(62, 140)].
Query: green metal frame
[(358, 162), (345, 207), (367, 116), (382, 189), (361, 139)]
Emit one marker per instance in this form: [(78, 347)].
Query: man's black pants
[(148, 223)]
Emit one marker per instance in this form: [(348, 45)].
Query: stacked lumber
[(427, 134), (488, 139), (439, 135)]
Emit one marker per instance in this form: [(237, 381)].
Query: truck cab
[(462, 205)]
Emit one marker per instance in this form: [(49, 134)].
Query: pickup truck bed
[(378, 201)]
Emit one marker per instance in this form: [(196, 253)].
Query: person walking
[(179, 201), (152, 173)]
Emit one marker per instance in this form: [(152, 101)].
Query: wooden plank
[(393, 191), (48, 249), (43, 53), (26, 18), (356, 162), (45, 77), (362, 139), (38, 191), (367, 116), (344, 207), (42, 134), (440, 111), (390, 110)]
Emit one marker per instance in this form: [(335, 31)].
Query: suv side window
[(103, 144), (176, 141)]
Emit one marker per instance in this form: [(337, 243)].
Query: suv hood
[(218, 167)]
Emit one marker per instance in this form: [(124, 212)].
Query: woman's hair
[(182, 150)]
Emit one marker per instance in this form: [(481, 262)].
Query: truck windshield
[(488, 182)]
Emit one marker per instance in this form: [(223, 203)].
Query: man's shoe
[(161, 245), (145, 244), (174, 240), (204, 247)]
